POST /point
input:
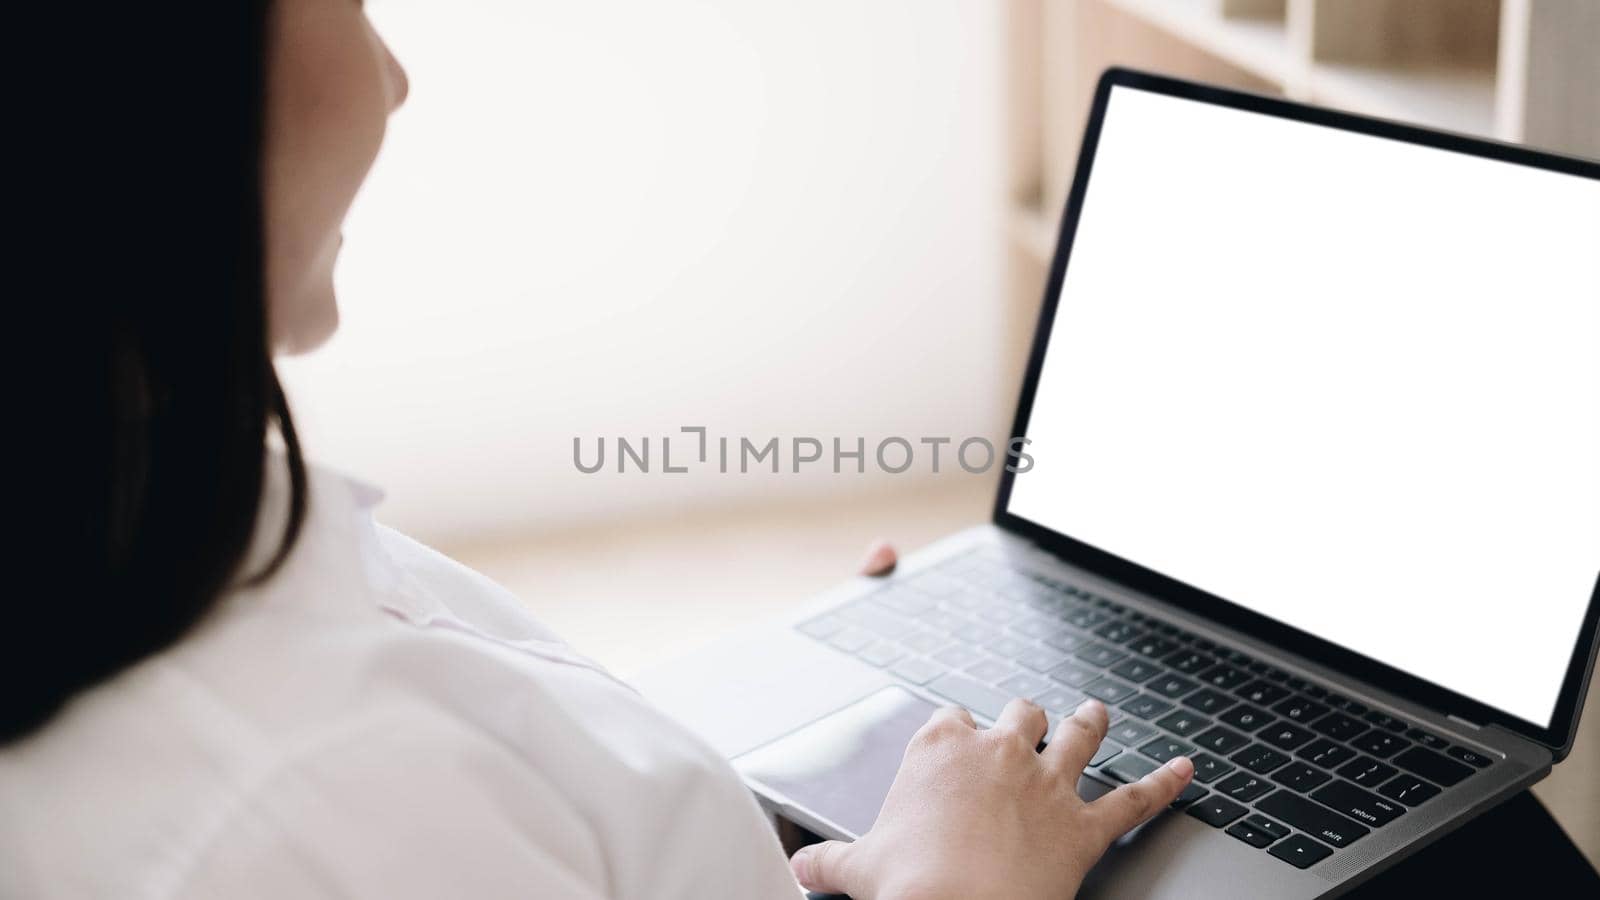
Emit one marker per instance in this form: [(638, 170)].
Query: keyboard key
[(958, 656), (852, 639), (1223, 740), (1100, 655), (1041, 659), (1128, 768), (1262, 692), (1255, 837), (1408, 789), (1315, 691), (1366, 771), (1385, 721), (1313, 818), (1284, 736), (1301, 777), (1363, 806), (1215, 810), (1277, 675), (1153, 645), (917, 670), (1084, 617), (1299, 851), (1172, 686), (1380, 743), (1146, 707), (924, 642), (1163, 749), (1067, 639), (1190, 793), (1106, 751), (999, 613), (1208, 768), (1224, 677), (1300, 709), (1035, 627), (1109, 690), (1209, 701), (1427, 739), (1246, 717), (880, 653), (1131, 732), (1190, 661), (980, 698), (1326, 753), (878, 619), (822, 627), (1260, 759), (1072, 674), (1470, 757), (1243, 787), (977, 633), (1136, 670), (944, 620), (1118, 631), (1339, 726), (1025, 684), (1437, 768), (991, 670), (1183, 723), (1276, 829), (1008, 647), (1058, 699)]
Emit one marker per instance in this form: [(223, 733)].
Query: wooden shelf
[(1515, 70), (1259, 46), (1455, 98)]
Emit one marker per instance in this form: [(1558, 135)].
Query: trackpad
[(839, 767)]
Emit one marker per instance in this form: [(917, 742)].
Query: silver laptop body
[(1338, 722)]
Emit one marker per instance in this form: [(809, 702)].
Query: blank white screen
[(1349, 383)]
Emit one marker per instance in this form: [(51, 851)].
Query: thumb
[(824, 867), (880, 558)]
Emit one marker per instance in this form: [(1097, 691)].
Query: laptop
[(1313, 411)]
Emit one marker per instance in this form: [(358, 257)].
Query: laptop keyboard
[(1281, 763)]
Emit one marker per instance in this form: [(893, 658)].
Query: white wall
[(618, 217)]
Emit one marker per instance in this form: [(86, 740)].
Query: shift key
[(1316, 820), (974, 695)]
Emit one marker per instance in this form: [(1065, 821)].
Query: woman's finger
[(880, 558), (825, 868), (1128, 806), (1077, 738), (952, 714), (1024, 718)]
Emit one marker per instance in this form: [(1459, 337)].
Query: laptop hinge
[(1455, 718)]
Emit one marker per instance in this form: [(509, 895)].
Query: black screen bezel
[(1558, 735)]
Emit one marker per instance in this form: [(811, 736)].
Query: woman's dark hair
[(161, 395)]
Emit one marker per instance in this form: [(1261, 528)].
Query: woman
[(245, 688)]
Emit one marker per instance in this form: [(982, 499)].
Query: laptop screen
[(1346, 382)]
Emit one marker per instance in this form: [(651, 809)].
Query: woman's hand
[(979, 814)]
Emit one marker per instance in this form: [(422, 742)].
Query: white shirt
[(375, 721)]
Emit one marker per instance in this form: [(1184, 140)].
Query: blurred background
[(621, 217)]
